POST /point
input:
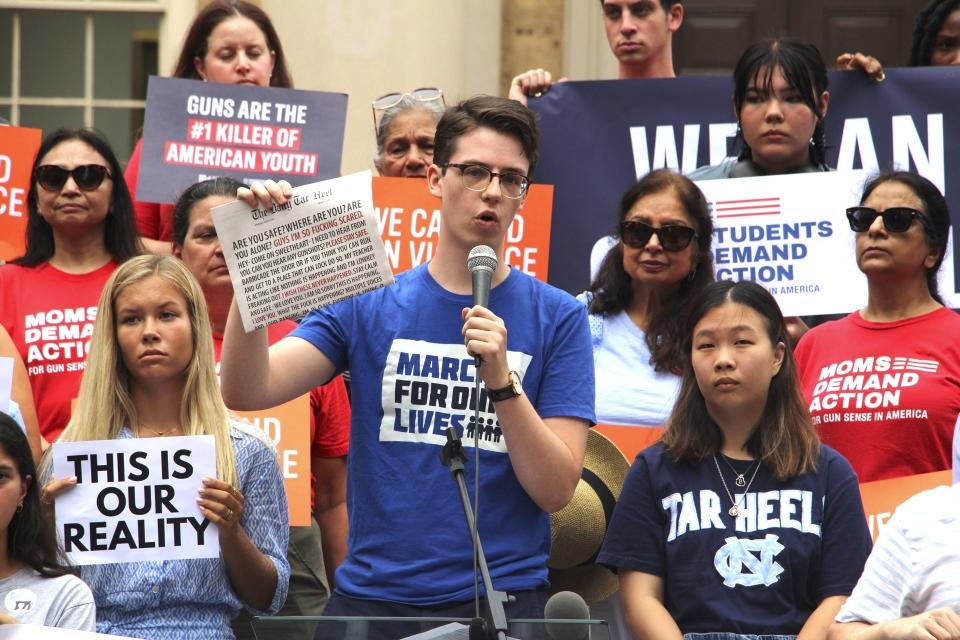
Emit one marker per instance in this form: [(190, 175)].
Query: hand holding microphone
[(484, 333)]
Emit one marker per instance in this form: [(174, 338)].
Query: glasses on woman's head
[(423, 94), (895, 219), (386, 101), (88, 177), (673, 237), (477, 177)]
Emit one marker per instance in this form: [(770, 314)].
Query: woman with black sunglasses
[(660, 263), (80, 227), (883, 383)]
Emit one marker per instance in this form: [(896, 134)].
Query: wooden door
[(715, 32)]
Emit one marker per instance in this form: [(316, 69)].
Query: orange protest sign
[(288, 427), (882, 497), (631, 439), (18, 146), (409, 220)]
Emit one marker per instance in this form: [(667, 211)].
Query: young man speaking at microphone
[(409, 549)]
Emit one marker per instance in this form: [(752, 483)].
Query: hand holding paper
[(293, 250), (266, 194), (221, 504), (54, 487)]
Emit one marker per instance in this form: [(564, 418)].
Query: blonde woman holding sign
[(151, 375)]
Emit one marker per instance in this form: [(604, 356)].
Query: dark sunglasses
[(673, 237), (895, 219), (87, 176)]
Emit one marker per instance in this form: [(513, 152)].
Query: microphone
[(567, 605), (481, 262)]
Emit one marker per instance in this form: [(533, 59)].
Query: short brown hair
[(502, 115), (784, 439)]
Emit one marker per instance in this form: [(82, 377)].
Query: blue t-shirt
[(794, 544), (411, 378)]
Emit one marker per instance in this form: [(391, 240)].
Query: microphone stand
[(494, 624)]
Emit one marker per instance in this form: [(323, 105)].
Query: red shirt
[(49, 314), (886, 395), (154, 221)]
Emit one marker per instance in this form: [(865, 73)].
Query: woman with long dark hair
[(36, 587), (883, 383), (739, 522), (80, 227), (660, 264), (936, 36), (230, 42)]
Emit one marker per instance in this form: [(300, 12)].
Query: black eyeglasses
[(673, 237), (87, 176), (477, 177), (895, 219)]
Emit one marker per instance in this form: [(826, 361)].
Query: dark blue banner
[(598, 137)]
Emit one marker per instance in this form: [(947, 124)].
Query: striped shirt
[(914, 564)]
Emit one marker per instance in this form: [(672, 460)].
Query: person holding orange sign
[(316, 550), (405, 124)]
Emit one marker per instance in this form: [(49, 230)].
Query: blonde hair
[(105, 403)]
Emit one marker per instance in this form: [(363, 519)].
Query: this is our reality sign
[(134, 494)]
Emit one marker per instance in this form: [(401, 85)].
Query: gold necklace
[(156, 433)]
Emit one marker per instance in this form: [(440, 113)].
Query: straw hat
[(578, 529)]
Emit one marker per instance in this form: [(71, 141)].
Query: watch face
[(512, 390), (515, 383)]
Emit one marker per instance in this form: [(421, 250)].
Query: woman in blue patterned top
[(151, 374)]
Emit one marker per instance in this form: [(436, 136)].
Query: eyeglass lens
[(674, 237), (477, 177), (895, 219), (88, 177)]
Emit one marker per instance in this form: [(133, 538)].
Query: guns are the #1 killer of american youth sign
[(197, 130)]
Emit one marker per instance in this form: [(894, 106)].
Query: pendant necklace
[(741, 480), (735, 510), (159, 434)]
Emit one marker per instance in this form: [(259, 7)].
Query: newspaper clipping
[(320, 247)]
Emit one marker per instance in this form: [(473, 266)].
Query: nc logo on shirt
[(749, 562), (20, 600)]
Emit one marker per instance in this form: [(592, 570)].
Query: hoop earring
[(20, 507), (692, 274)]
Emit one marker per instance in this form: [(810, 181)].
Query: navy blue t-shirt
[(764, 572)]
